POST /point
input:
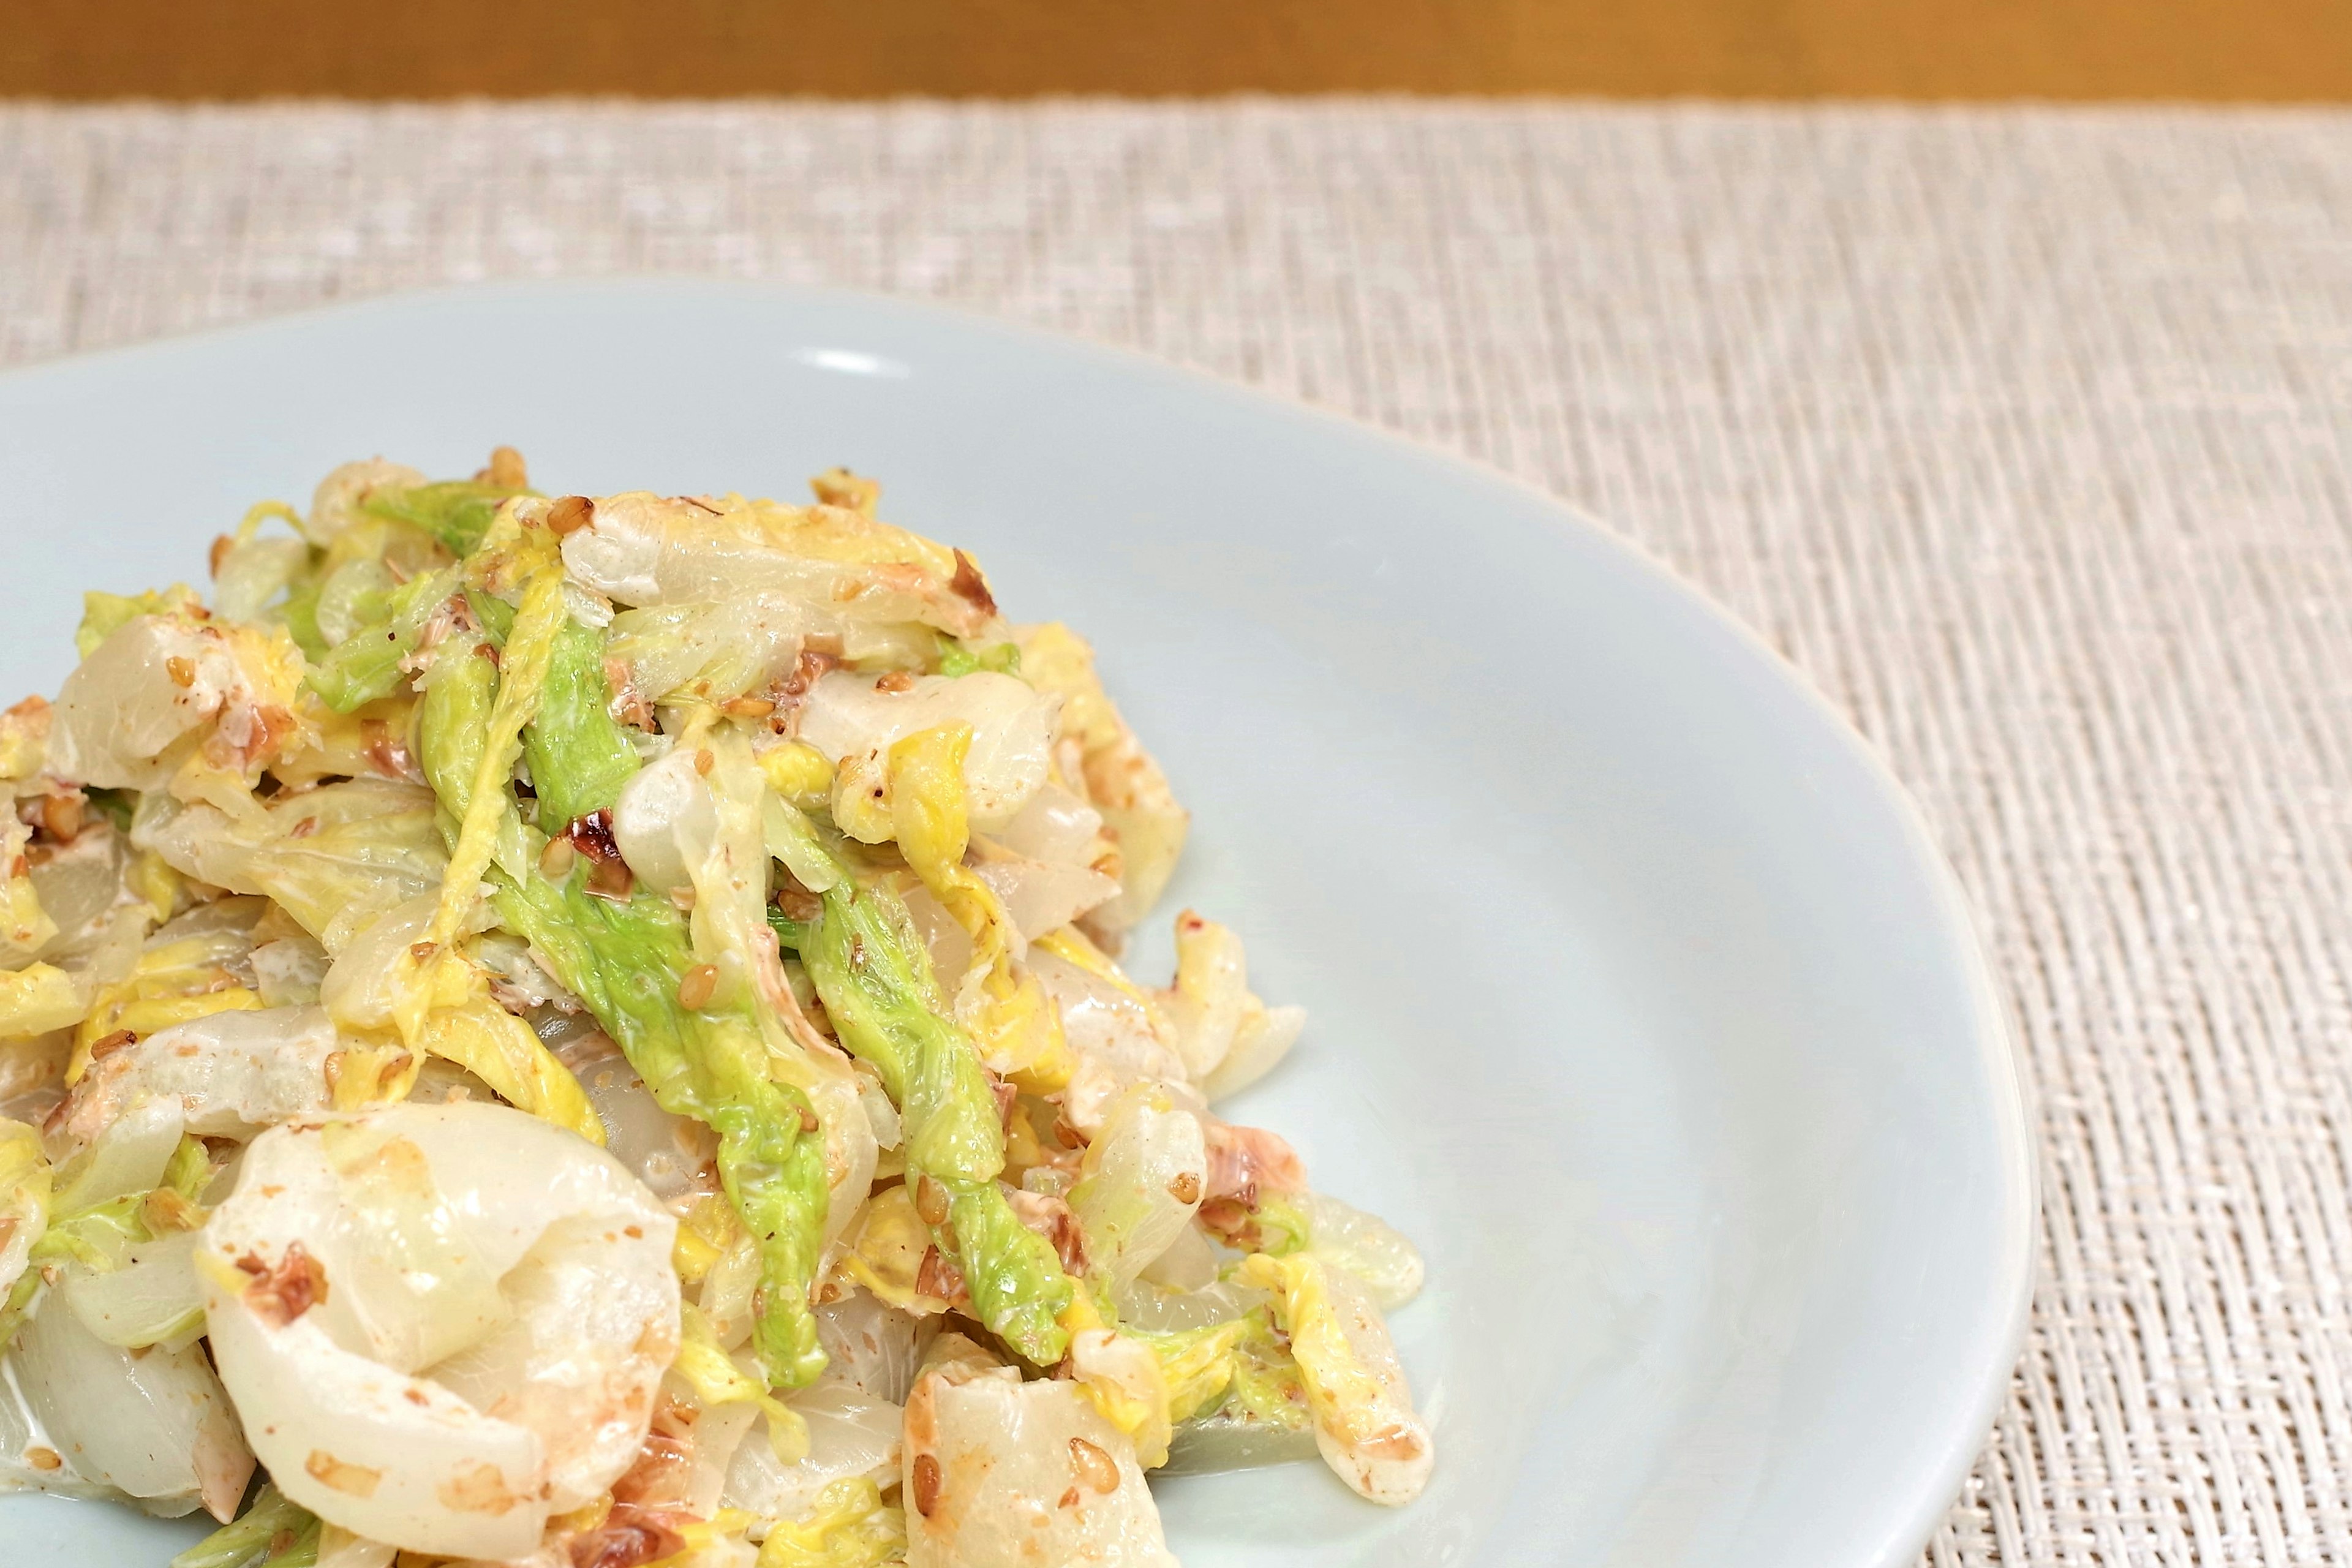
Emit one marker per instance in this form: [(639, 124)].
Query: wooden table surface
[(2257, 50)]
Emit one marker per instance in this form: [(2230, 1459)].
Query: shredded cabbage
[(850, 1527), (626, 962), (878, 990)]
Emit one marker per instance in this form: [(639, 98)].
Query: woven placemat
[(2028, 435)]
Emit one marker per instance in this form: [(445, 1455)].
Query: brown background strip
[(2208, 49)]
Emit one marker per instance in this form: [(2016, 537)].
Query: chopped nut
[(938, 1278), (107, 1045), (698, 985), (611, 880), (1185, 1188), (422, 951), (570, 515), (280, 1295), (388, 752), (810, 667)]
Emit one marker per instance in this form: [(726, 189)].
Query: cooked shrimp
[(440, 1324)]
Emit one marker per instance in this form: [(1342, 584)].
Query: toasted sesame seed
[(571, 514), (1095, 1467), (555, 860), (699, 985)]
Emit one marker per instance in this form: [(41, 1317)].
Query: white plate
[(1639, 995)]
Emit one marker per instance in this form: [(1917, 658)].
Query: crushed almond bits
[(279, 1296)]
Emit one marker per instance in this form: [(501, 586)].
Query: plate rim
[(2010, 1087)]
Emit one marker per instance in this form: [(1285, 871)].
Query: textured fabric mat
[(2024, 433)]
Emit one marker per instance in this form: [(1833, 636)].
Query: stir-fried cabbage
[(588, 1029)]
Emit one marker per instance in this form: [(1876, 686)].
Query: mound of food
[(588, 1031)]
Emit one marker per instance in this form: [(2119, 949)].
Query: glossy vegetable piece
[(578, 755)]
